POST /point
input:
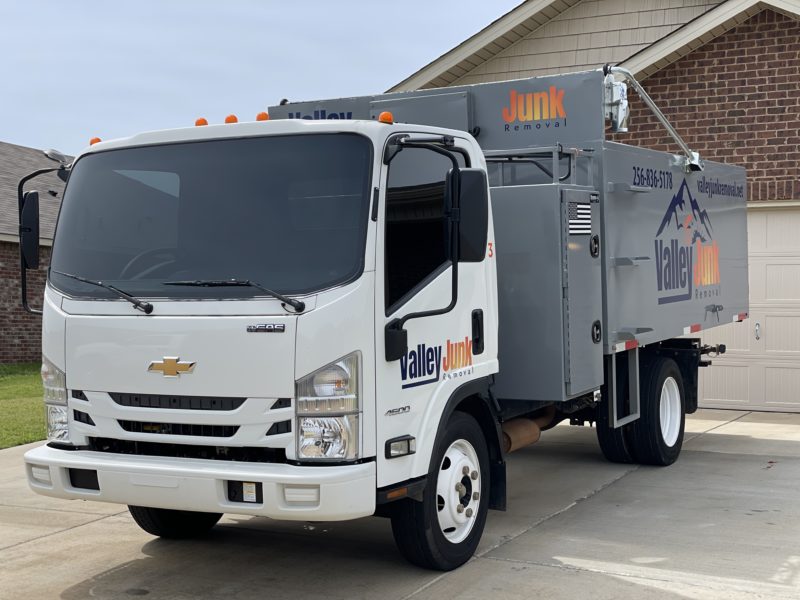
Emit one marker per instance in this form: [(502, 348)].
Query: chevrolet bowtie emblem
[(171, 366)]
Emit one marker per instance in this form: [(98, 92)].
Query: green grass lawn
[(21, 407)]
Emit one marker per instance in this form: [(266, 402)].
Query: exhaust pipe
[(524, 431), (518, 433)]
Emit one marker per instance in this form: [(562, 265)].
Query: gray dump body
[(672, 242)]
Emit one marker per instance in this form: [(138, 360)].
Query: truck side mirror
[(473, 204), (29, 230), (396, 339)]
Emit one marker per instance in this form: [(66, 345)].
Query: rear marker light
[(629, 345)]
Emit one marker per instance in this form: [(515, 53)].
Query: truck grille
[(176, 402), (179, 429), (243, 454)]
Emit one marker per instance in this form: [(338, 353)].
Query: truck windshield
[(289, 212)]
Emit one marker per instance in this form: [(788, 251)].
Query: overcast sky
[(75, 70)]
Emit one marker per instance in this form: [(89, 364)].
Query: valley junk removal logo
[(429, 364), (535, 110), (321, 114), (687, 256)]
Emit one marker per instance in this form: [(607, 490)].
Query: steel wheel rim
[(670, 411), (459, 467)]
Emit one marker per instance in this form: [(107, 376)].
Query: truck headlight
[(57, 423), (327, 411), (54, 382)]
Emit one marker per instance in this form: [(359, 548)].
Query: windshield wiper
[(298, 305), (145, 307)]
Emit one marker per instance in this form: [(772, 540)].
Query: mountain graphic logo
[(692, 221), (687, 256)]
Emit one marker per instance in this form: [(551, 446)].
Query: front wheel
[(176, 524), (443, 531), (658, 434)]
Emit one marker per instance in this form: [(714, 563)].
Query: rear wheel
[(616, 443), (658, 434), (443, 531), (174, 524)]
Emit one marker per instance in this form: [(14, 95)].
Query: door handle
[(758, 331)]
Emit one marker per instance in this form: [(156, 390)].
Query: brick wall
[(736, 100), (20, 331)]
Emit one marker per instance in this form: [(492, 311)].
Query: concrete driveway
[(723, 522)]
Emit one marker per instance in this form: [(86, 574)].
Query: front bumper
[(334, 493)]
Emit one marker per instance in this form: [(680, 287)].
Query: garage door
[(761, 370)]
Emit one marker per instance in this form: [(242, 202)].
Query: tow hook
[(712, 351)]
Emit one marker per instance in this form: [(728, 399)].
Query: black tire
[(415, 525), (616, 444), (173, 524), (649, 443)]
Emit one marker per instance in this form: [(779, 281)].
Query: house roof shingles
[(15, 163)]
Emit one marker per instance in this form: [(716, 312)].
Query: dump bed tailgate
[(675, 246)]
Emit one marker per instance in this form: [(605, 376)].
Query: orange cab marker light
[(200, 122), (262, 116), (94, 140), (386, 117), (398, 493), (231, 119)]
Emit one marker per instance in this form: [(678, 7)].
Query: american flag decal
[(580, 218)]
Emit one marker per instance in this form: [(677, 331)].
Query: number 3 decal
[(491, 249)]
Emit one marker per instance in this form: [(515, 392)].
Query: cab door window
[(416, 238)]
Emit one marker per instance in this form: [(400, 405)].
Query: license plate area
[(246, 492)]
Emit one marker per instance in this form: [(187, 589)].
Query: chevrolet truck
[(360, 306)]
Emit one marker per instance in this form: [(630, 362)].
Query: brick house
[(727, 75), (20, 332)]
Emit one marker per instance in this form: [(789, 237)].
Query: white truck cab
[(219, 397)]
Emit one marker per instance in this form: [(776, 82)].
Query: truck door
[(413, 274)]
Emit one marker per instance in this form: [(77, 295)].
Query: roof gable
[(702, 30), (643, 36), (496, 37)]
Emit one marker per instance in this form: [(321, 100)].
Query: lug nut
[(465, 470), (460, 488), (475, 495), (474, 475), (460, 508), (469, 512)]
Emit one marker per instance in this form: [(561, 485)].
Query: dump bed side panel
[(674, 245)]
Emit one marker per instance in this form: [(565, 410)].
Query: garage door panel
[(756, 232), (757, 277), (782, 387), (735, 336), (763, 373), (781, 230), (781, 334), (782, 281), (725, 383)]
